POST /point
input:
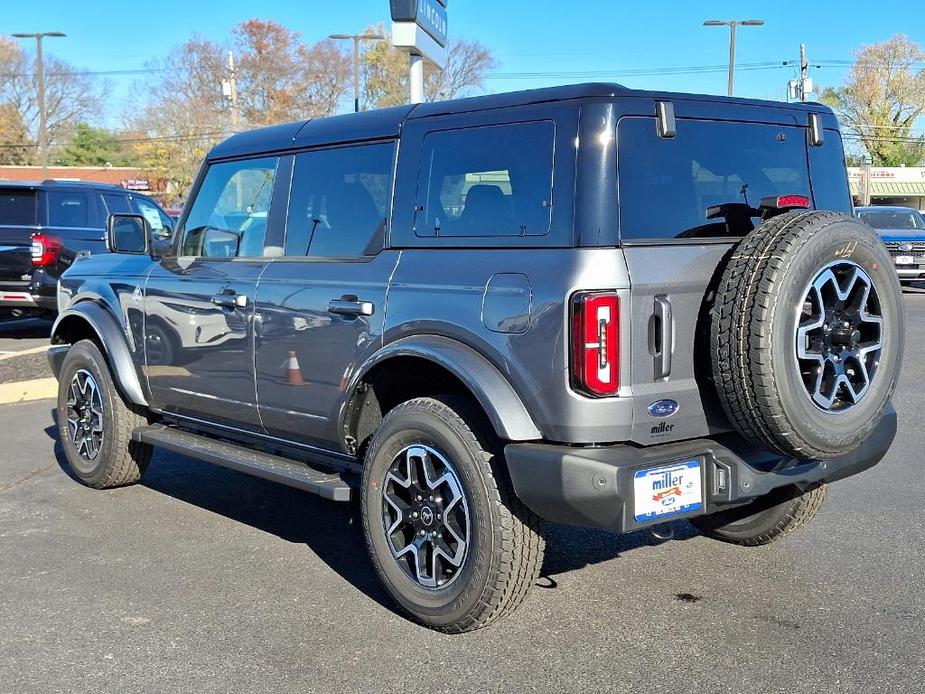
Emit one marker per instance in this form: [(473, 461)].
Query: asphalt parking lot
[(203, 579)]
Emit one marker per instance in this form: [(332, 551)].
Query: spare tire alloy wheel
[(807, 334), (839, 336), (85, 415), (425, 516)]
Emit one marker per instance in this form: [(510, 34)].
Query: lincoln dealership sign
[(430, 15), (420, 27)]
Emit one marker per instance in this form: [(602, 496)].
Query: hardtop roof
[(386, 123)]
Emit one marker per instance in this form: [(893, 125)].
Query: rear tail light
[(596, 343), (45, 249)]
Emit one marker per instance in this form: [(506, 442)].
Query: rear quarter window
[(487, 181), (67, 208), (666, 185), (17, 207)]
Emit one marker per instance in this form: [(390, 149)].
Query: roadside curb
[(25, 391)]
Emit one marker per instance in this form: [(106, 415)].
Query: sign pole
[(416, 78)]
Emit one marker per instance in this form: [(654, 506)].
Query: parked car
[(903, 231), (45, 226), (586, 304)]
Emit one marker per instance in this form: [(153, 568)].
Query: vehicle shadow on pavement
[(333, 531), (24, 328)]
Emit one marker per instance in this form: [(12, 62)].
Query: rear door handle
[(230, 300), (351, 305), (663, 337)]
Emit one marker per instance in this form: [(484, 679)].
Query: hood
[(900, 235)]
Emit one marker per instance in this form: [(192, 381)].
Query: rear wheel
[(766, 519), (448, 538), (95, 423)]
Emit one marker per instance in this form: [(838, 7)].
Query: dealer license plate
[(905, 260), (667, 490)]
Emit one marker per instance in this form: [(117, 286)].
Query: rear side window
[(228, 218), (667, 184), (339, 201), (67, 208), (17, 207), (487, 181)]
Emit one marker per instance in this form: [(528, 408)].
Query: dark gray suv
[(586, 304)]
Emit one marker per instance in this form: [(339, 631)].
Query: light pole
[(356, 38), (732, 40), (40, 88)]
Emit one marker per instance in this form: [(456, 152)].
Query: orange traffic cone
[(294, 372)]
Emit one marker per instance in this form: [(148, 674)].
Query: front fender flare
[(491, 388), (115, 346)]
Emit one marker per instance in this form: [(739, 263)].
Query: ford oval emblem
[(663, 408)]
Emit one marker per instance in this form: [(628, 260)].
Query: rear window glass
[(17, 206), (893, 219), (487, 181), (667, 184), (67, 209)]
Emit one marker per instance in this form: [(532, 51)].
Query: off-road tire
[(766, 519), (506, 546), (120, 461), (752, 339)]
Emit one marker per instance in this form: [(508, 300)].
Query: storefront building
[(888, 185)]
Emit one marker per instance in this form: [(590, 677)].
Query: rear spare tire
[(807, 334)]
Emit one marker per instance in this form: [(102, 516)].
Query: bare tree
[(71, 95), (882, 97), (385, 72)]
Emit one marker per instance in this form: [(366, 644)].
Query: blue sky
[(527, 37)]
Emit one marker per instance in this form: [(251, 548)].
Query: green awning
[(890, 189)]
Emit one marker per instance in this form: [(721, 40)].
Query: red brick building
[(125, 176)]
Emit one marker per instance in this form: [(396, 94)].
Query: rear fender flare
[(495, 394), (113, 341)]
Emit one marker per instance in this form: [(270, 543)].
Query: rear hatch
[(18, 222), (673, 250)]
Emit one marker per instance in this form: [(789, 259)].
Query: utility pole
[(356, 38), (732, 24), (230, 91), (40, 93), (804, 72)]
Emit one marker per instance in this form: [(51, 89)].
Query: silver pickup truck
[(585, 304)]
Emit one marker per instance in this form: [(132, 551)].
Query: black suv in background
[(45, 226)]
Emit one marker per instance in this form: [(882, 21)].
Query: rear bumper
[(593, 487)]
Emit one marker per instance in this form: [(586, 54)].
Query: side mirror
[(128, 233)]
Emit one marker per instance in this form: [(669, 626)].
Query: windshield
[(17, 207), (893, 219)]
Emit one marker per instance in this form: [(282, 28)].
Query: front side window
[(339, 201), (67, 209), (487, 181), (17, 206), (228, 218), (158, 221), (668, 184)]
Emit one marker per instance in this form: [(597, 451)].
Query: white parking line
[(21, 353)]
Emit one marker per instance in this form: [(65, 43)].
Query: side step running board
[(265, 465)]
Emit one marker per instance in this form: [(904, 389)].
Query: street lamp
[(356, 38), (732, 40), (40, 88)]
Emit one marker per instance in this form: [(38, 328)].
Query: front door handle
[(230, 300), (351, 305)]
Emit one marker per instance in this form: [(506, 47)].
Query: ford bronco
[(587, 304)]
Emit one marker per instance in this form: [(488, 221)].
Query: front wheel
[(449, 539), (95, 423)]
